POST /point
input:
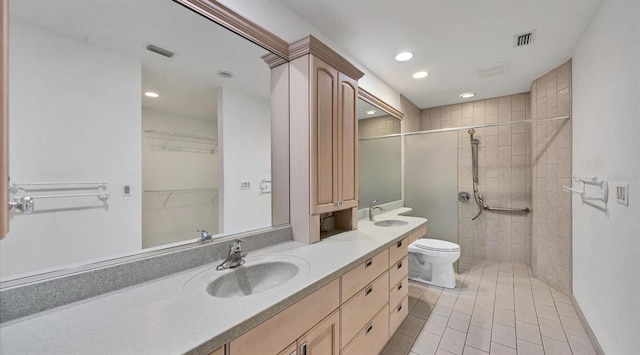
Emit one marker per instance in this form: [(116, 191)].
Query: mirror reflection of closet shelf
[(183, 142), (171, 192)]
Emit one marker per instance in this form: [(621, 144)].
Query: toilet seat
[(435, 245)]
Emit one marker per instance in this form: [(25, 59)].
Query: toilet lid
[(435, 245)]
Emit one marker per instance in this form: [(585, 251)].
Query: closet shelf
[(171, 192), (184, 142)]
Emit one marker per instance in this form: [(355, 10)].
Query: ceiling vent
[(158, 50), (492, 70), (524, 39)]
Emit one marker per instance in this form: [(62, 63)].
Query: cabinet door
[(323, 338), (347, 177), (290, 350), (324, 145)]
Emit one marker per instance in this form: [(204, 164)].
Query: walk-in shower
[(475, 142)]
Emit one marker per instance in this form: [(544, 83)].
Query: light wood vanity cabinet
[(302, 320), (323, 138), (354, 314), (334, 181)]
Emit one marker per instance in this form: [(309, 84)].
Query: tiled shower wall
[(378, 126), (551, 163), (504, 172)]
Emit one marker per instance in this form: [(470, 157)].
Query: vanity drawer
[(398, 314), (277, 332), (398, 251), (359, 310), (415, 235), (398, 270), (354, 280), (399, 291), (373, 337)]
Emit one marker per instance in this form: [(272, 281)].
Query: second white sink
[(390, 223)]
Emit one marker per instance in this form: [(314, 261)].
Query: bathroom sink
[(243, 281), (390, 223), (258, 274)]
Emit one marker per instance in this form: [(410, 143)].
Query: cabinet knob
[(399, 265)]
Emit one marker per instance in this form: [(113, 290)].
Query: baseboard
[(587, 327)]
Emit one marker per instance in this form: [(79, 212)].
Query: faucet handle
[(204, 235), (372, 203), (236, 247)]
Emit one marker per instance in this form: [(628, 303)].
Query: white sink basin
[(257, 275), (390, 223)]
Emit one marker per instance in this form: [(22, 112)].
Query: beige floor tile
[(479, 338), (459, 321), (499, 349), (468, 350), (504, 335), (547, 312), (482, 319), (581, 346), (566, 310), (411, 326), (552, 329), (442, 309), (528, 332), (573, 327), (484, 304), (526, 348), (505, 302), (527, 315), (444, 352), (453, 341), (559, 297), (464, 306), (436, 324), (504, 317), (421, 310), (556, 347), (399, 344), (426, 343)]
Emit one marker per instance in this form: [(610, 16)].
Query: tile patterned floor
[(496, 308)]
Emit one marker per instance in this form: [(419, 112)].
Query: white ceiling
[(450, 40)]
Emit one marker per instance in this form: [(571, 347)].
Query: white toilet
[(431, 261)]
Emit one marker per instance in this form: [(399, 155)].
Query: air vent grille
[(524, 39), (158, 50)]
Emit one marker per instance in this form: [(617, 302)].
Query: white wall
[(606, 126), (75, 110), (178, 164), (244, 126), (286, 24)]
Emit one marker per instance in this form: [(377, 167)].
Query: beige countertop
[(165, 316)]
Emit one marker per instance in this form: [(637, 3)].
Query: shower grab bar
[(502, 209)]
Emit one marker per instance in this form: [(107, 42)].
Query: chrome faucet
[(235, 256), (372, 207), (204, 235)]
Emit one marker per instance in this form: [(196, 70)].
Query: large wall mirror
[(133, 124), (379, 170)]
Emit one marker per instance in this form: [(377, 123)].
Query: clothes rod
[(61, 183), (487, 125)]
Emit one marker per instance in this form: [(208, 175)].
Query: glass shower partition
[(431, 181)]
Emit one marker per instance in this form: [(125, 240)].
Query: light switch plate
[(245, 185), (622, 193)]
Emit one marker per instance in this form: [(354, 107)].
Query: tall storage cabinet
[(323, 138)]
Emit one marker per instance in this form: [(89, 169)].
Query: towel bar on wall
[(26, 203)]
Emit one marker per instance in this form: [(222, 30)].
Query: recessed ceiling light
[(420, 75), (467, 95), (151, 94), (404, 56), (370, 112)]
